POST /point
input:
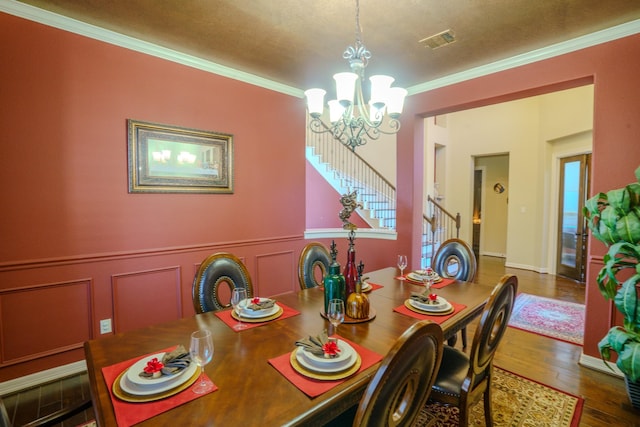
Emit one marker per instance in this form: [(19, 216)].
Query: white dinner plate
[(134, 371), (420, 278), (443, 305), (346, 351), (174, 381), (304, 362), (257, 314)]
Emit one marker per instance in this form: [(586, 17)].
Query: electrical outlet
[(105, 326)]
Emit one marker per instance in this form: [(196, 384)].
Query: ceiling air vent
[(438, 40)]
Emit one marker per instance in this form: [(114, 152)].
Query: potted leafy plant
[(614, 219)]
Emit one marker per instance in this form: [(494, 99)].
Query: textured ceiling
[(300, 42)]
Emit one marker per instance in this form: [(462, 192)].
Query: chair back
[(215, 271), (402, 383), (493, 323), (455, 259), (315, 256)]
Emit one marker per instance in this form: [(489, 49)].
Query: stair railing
[(438, 225), (374, 190)]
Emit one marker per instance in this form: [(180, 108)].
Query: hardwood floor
[(553, 362), (548, 361)]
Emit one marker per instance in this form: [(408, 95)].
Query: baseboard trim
[(42, 377), (598, 364), (540, 270)]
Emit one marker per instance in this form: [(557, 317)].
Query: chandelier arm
[(393, 124)]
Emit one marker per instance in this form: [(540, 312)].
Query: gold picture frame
[(171, 159)]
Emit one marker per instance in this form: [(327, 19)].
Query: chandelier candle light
[(353, 121)]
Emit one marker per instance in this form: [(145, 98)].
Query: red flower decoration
[(331, 348), (153, 365), (256, 300), (433, 297)]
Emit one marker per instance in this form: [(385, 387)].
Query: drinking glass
[(335, 313), (239, 301), (201, 350), (402, 264), (428, 283)]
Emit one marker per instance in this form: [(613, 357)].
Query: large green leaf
[(638, 174), (626, 301), (608, 235), (609, 216), (628, 228), (634, 193), (619, 199), (629, 360)]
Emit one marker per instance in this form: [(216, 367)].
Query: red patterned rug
[(553, 318), (517, 402)]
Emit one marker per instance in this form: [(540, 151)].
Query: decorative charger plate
[(155, 383), (407, 303), (419, 279), (127, 397), (325, 365), (324, 376), (350, 320), (440, 306), (256, 314), (274, 316)]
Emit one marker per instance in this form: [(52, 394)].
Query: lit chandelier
[(352, 121)]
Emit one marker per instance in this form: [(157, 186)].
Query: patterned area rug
[(557, 319), (517, 401)]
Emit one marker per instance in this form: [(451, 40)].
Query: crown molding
[(61, 22), (35, 14), (558, 49)]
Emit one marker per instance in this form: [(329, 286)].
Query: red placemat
[(313, 388), (437, 319), (129, 413), (225, 316)]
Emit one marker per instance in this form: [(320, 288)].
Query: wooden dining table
[(250, 391)]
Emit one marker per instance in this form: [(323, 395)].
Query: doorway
[(572, 229)]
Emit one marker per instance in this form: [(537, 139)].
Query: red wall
[(613, 67), (76, 246)]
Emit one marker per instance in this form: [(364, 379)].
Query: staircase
[(346, 171), (438, 225)]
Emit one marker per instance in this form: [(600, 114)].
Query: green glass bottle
[(334, 281)]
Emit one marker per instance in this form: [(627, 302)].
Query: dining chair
[(463, 379), (314, 256), (401, 385), (54, 418), (454, 259), (216, 270)]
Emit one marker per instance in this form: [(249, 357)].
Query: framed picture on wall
[(170, 159)]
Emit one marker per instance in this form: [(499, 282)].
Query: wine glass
[(239, 301), (402, 264), (335, 313), (427, 279), (201, 350)]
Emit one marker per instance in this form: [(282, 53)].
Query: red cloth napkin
[(437, 319), (313, 388), (128, 413), (225, 316)]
